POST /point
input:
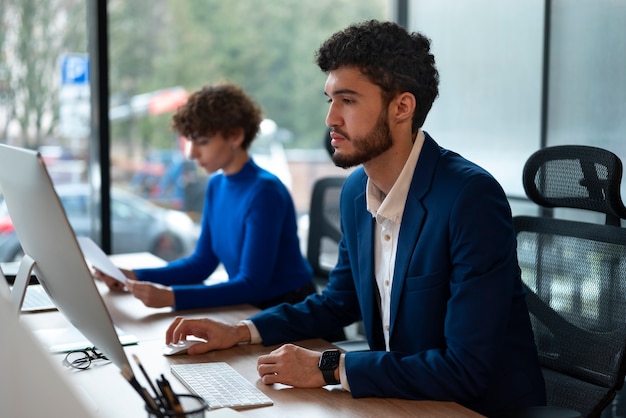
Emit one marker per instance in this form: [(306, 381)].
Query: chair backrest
[(576, 176), (324, 227), (575, 275)]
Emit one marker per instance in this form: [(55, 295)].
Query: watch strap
[(329, 377)]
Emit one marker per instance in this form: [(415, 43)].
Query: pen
[(170, 395), (130, 377), (165, 402), (145, 374)]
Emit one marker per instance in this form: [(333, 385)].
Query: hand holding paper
[(99, 260)]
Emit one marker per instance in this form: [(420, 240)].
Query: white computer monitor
[(32, 385), (51, 250)]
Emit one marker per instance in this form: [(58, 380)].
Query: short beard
[(368, 146)]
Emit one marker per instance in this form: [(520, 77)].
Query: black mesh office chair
[(323, 245), (324, 229), (575, 275)]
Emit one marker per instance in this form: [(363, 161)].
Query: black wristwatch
[(328, 364)]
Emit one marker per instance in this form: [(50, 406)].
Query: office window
[(158, 52), (45, 97), (162, 51), (587, 84), (491, 59), (587, 81), (489, 56)]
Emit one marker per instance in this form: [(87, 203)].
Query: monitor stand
[(22, 278)]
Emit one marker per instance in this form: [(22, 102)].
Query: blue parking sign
[(75, 69)]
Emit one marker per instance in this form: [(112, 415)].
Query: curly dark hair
[(392, 58), (219, 108)]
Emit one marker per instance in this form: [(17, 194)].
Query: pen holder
[(193, 407)]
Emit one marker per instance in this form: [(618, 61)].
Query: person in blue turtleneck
[(248, 221)]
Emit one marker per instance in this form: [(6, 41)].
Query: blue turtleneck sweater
[(248, 225)]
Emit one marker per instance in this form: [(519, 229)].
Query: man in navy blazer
[(427, 259)]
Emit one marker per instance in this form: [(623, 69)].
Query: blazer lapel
[(409, 235), (367, 282), (412, 220)]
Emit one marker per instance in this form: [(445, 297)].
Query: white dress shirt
[(388, 210)]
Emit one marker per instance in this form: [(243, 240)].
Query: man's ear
[(404, 107)]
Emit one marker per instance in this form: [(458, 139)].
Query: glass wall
[(587, 77), (45, 98), (492, 56), (587, 84), (489, 56), (158, 52), (161, 51)]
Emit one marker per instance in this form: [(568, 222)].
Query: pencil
[(171, 396), (130, 377), (145, 374)]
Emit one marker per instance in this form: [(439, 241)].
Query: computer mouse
[(179, 347)]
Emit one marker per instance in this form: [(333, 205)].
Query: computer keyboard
[(36, 299), (220, 385)]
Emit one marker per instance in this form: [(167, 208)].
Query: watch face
[(330, 359)]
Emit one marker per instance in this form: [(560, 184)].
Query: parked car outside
[(137, 225)]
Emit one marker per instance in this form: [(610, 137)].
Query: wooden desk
[(109, 395)]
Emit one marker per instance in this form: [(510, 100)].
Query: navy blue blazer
[(460, 329)]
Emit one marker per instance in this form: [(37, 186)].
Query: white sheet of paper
[(98, 259)]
